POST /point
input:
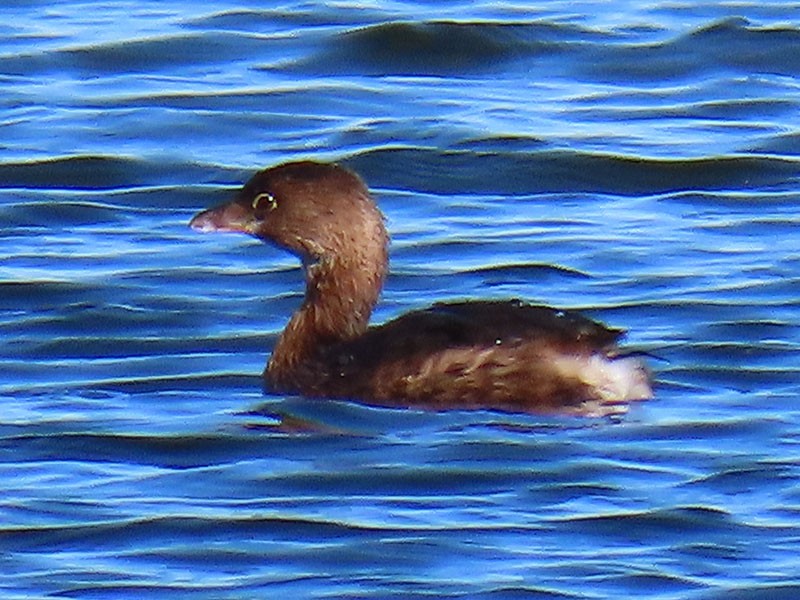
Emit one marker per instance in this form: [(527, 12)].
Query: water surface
[(639, 162)]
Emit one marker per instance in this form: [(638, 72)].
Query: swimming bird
[(499, 355)]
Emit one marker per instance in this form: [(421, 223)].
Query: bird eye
[(265, 200)]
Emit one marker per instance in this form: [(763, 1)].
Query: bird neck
[(341, 292)]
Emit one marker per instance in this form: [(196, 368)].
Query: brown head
[(310, 209)]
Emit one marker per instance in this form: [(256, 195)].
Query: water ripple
[(639, 164)]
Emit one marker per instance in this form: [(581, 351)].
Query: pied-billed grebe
[(508, 356)]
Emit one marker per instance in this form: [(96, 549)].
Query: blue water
[(637, 161)]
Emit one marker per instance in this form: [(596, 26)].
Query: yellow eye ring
[(265, 197)]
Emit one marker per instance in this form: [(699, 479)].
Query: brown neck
[(340, 295)]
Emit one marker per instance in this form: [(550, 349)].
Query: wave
[(452, 48), (436, 171), (429, 170), (142, 55), (439, 48), (435, 48), (93, 172)]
